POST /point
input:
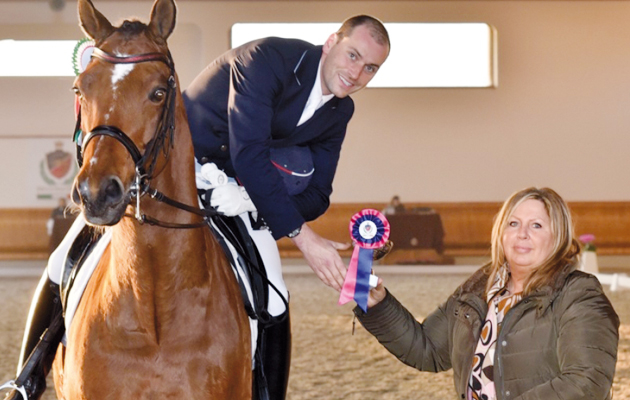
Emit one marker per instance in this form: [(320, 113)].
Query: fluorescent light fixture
[(422, 54), (36, 57)]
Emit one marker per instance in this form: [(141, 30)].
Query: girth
[(81, 248)]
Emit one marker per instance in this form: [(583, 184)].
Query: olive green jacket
[(560, 342)]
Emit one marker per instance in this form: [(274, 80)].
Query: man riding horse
[(263, 100)]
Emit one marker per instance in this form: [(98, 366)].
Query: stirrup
[(12, 385)]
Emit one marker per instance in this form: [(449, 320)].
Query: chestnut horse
[(162, 316)]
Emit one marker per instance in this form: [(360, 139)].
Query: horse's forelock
[(131, 38), (132, 27), (129, 30)]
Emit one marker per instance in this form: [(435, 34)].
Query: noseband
[(144, 163)]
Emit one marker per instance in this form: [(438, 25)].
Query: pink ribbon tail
[(349, 284)]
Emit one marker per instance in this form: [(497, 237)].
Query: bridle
[(144, 163)]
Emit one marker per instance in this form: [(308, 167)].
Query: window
[(422, 54), (36, 57)]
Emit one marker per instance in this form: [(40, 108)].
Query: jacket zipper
[(476, 303), (524, 305)]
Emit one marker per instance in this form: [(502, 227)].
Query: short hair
[(565, 248), (376, 27)]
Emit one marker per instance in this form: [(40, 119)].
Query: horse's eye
[(158, 95)]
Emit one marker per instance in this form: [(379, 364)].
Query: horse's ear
[(163, 18), (93, 23)]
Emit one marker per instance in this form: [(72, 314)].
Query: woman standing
[(527, 325)]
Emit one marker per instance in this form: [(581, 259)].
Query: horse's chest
[(128, 349), (131, 324)]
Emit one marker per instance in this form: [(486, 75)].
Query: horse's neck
[(159, 254)]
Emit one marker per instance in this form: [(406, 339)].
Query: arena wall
[(467, 227)]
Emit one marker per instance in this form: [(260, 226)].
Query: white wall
[(558, 118)]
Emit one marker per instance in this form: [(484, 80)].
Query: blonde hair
[(565, 249)]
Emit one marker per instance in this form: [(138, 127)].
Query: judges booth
[(418, 237)]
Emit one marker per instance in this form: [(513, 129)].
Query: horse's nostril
[(81, 192), (113, 190), (76, 197)]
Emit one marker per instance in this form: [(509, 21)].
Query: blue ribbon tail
[(364, 270)]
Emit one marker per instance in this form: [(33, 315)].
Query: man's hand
[(322, 256)]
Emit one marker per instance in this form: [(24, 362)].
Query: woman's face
[(527, 238)]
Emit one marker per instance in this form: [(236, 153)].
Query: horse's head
[(127, 99)]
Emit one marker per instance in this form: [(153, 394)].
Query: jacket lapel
[(301, 84)]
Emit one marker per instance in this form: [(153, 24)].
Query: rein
[(163, 134)]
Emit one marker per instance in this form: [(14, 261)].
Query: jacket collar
[(543, 296), (546, 295), (476, 284)]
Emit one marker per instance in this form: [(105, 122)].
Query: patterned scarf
[(500, 301)]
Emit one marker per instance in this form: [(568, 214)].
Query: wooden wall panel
[(23, 233), (467, 227), (608, 221)]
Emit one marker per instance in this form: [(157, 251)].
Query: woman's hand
[(377, 294)]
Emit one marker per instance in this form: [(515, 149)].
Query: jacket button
[(224, 147), (204, 160), (504, 343), (507, 394)]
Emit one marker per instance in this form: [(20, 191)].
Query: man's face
[(348, 65)]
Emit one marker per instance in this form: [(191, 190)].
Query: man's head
[(352, 56)]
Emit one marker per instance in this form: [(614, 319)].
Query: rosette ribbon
[(369, 230)]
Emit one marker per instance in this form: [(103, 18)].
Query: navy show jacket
[(249, 100)]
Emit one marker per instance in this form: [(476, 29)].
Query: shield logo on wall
[(57, 169), (59, 162)]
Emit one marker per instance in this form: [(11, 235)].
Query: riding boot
[(276, 348), (44, 330)]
